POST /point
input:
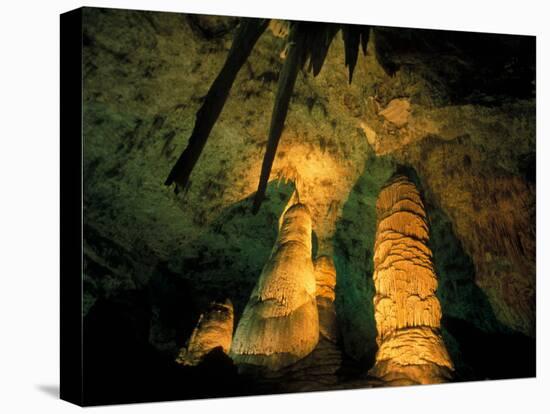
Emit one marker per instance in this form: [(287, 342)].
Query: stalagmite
[(214, 329), (319, 370), (325, 276), (280, 323), (407, 312)]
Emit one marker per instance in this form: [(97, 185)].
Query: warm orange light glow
[(325, 275), (214, 329), (407, 312), (280, 323)]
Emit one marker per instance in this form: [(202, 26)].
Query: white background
[(29, 206)]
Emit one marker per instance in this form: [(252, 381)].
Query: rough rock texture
[(325, 277), (407, 312), (413, 356), (324, 368), (397, 112), (470, 138), (280, 324), (320, 370), (214, 329), (494, 216)]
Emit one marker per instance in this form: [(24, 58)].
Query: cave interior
[(243, 179)]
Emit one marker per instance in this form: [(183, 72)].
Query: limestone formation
[(407, 312), (473, 149), (280, 323), (214, 329), (325, 276), (321, 369), (397, 112)]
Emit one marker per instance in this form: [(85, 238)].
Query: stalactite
[(214, 329), (246, 37), (280, 323), (407, 312), (306, 41), (285, 87)]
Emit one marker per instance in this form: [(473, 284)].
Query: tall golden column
[(407, 312)]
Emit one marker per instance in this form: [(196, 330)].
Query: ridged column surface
[(280, 323), (407, 312)]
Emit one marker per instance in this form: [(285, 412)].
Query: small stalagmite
[(280, 323), (214, 329), (407, 312)]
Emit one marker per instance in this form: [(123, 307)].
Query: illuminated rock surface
[(214, 329), (322, 368), (407, 312), (280, 324), (470, 136), (460, 138), (397, 112), (494, 216), (325, 276)]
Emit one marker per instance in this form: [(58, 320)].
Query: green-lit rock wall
[(461, 125)]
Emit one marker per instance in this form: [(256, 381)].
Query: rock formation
[(320, 369), (325, 277), (214, 329), (397, 112), (280, 323), (470, 136), (407, 312)]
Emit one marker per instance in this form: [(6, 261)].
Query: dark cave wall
[(155, 259)]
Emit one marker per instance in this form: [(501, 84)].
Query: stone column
[(407, 312), (214, 329), (319, 370), (280, 323), (325, 275)]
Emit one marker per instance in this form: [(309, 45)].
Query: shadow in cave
[(480, 346), (224, 262), (131, 337), (466, 66), (121, 366), (227, 259), (353, 258)]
